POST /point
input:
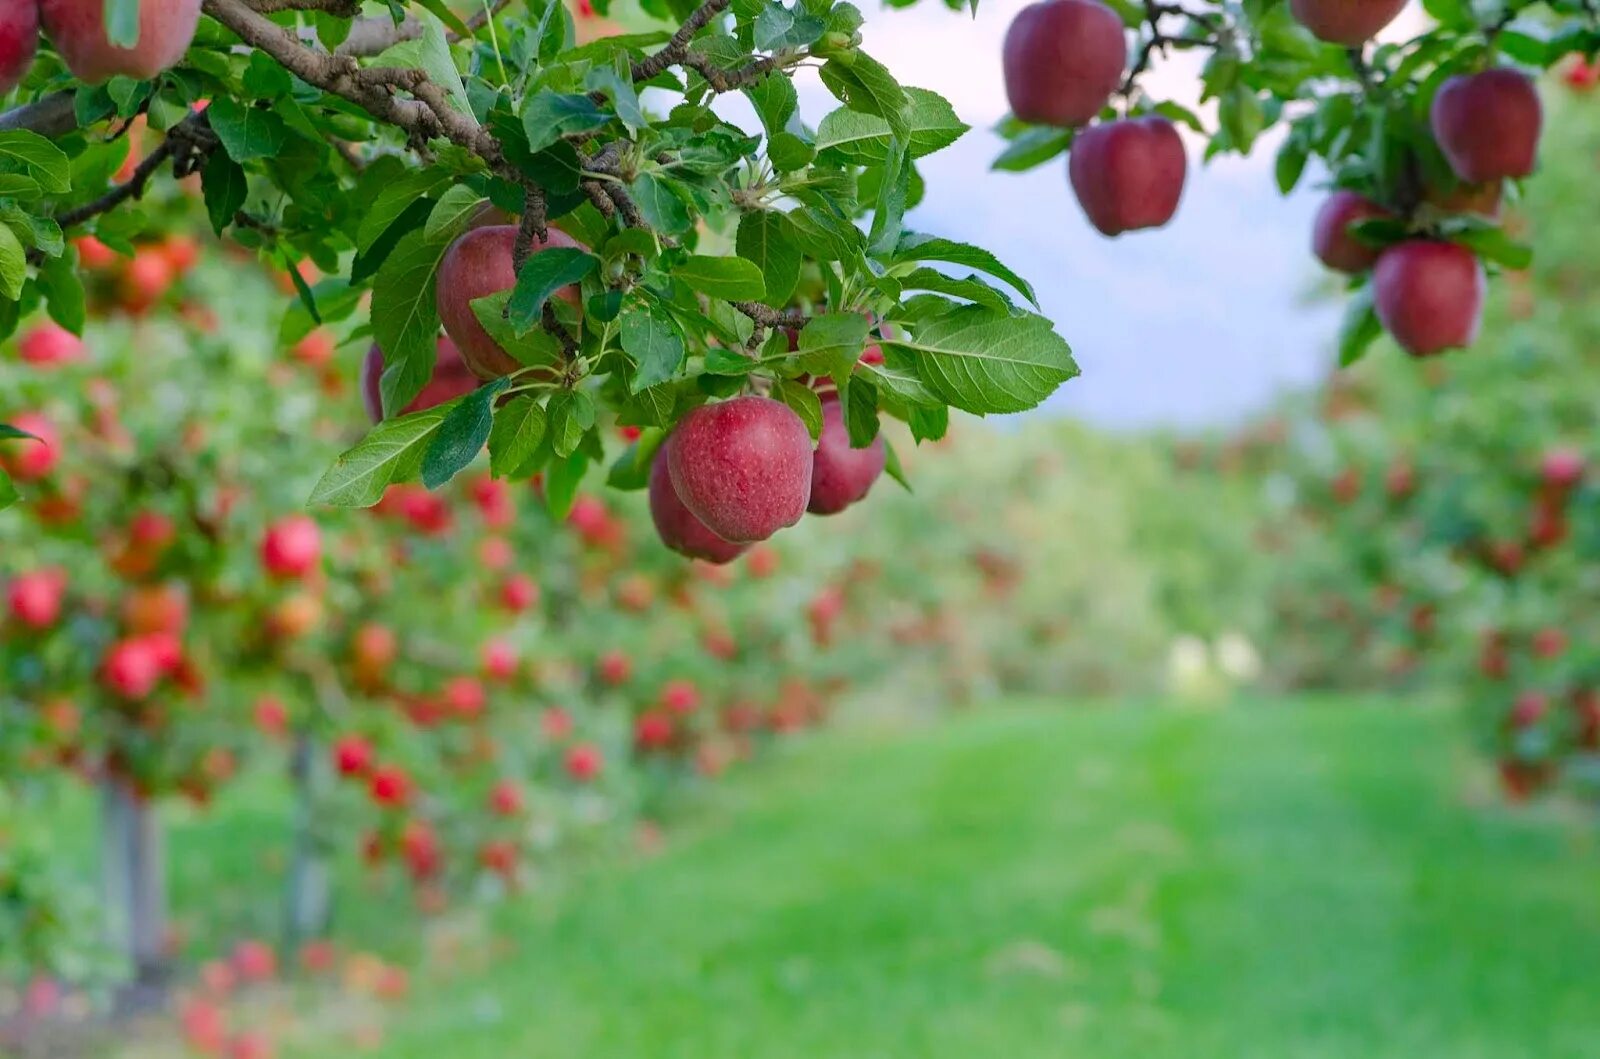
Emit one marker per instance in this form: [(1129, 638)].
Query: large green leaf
[(247, 132), (405, 318), (915, 247), (392, 452), (863, 139), (462, 435), (732, 278), (653, 340), (518, 429), (985, 362), (38, 158), (766, 239), (542, 275)]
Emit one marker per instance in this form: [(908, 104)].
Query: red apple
[(352, 755), (451, 379), (742, 467), (1128, 174), (1487, 124), (505, 799), (1063, 59), (477, 265), (1346, 22), (677, 525), (842, 475), (25, 459), (1562, 469), (584, 762), (292, 547), (680, 697), (19, 40), (652, 730), (49, 343), (390, 786), (78, 29), (1429, 295), (1331, 239), (34, 599)]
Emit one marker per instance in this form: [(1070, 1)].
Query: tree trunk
[(134, 871), (310, 886)]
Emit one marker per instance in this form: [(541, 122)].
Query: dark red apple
[(1063, 59), (19, 40), (1128, 174), (742, 467), (1487, 124), (841, 475), (1346, 22), (1331, 239), (451, 379), (78, 28), (479, 264), (1429, 295), (676, 524)]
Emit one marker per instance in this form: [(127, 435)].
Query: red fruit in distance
[(26, 459), (314, 350), (615, 669), (390, 786), (34, 599), (680, 697), (1529, 707), (1128, 175), (1331, 239), (519, 592), (556, 724), (292, 547), (584, 762), (272, 716), (477, 265), (1063, 59), (499, 856), (499, 660), (505, 799), (1562, 469), (1487, 124), (255, 961), (1346, 22), (451, 379), (652, 730), (19, 40), (352, 755), (78, 29), (1581, 75), (132, 668), (842, 475), (465, 697), (49, 343), (677, 526), (1429, 295), (1549, 643), (742, 467)]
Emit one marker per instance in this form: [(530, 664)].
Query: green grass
[(1317, 881)]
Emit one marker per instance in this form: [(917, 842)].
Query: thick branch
[(766, 316), (341, 8), (678, 47), (50, 117), (722, 80)]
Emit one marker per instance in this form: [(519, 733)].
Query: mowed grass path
[(1288, 882)]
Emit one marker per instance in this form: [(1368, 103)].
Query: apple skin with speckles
[(842, 475), (743, 467), (677, 525)]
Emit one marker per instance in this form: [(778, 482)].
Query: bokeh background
[(1230, 705)]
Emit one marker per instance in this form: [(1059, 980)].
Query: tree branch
[(766, 316), (51, 117), (370, 36), (678, 47), (187, 144)]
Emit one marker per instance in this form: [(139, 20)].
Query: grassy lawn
[(1317, 881)]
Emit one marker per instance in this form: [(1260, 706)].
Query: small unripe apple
[(679, 529), (1063, 59), (1331, 239), (479, 264), (1429, 295), (842, 475), (78, 29), (1487, 124), (19, 40), (742, 467), (1128, 174), (292, 547), (1347, 22)]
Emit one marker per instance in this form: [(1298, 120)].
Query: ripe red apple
[(1331, 239), (479, 264), (390, 786), (19, 40), (272, 716), (1562, 469), (584, 762), (451, 379), (27, 460), (677, 525), (1487, 124), (352, 755), (742, 467), (292, 547), (49, 343), (505, 798), (842, 475), (132, 668), (34, 599), (78, 28), (680, 696), (1063, 59), (1346, 22), (652, 730), (465, 697), (1128, 174), (499, 660), (518, 593), (615, 669), (1429, 295)]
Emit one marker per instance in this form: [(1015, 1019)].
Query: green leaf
[(571, 414), (547, 116), (859, 402), (437, 61), (1491, 243), (776, 28), (766, 239), (1036, 146), (891, 462), (663, 209), (40, 160), (789, 153), (776, 101), (731, 278), (1291, 163), (121, 22), (8, 491), (542, 275), (1359, 329), (561, 484), (624, 97), (914, 247), (392, 452), (225, 187), (982, 361), (535, 346), (448, 17), (972, 288), (393, 200), (247, 132), (866, 85), (889, 211), (518, 429), (804, 401), (63, 286), (11, 433), (455, 208), (405, 318), (653, 340), (461, 435), (831, 344), (13, 264), (631, 471), (863, 139)]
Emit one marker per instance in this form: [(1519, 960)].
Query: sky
[(1196, 324)]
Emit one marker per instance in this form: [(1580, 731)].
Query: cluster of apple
[(78, 30)]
